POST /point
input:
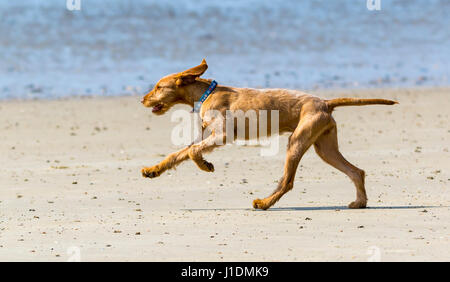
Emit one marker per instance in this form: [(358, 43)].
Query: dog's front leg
[(196, 151), (169, 162)]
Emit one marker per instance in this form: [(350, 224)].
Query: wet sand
[(70, 187)]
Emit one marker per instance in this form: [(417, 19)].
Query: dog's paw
[(209, 166), (151, 172), (259, 204), (205, 166), (358, 205)]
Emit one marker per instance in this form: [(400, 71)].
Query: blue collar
[(198, 105)]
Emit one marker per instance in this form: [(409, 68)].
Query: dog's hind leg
[(327, 148), (310, 127)]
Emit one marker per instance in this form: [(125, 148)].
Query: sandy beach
[(71, 187)]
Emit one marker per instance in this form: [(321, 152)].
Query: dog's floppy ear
[(189, 76)]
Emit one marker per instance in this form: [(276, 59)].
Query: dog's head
[(169, 89)]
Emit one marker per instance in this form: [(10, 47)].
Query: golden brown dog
[(306, 116)]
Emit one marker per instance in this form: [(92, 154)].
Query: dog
[(307, 117)]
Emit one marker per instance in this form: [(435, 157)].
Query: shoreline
[(308, 91)]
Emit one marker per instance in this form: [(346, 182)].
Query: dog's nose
[(143, 100)]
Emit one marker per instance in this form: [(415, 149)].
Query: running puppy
[(307, 117)]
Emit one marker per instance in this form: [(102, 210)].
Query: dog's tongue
[(157, 108)]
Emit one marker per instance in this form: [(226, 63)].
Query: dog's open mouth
[(157, 108)]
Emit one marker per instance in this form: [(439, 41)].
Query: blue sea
[(123, 47)]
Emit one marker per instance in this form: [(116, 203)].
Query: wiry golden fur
[(306, 116)]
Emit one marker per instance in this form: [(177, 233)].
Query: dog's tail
[(339, 102)]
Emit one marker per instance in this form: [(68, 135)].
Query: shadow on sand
[(326, 208)]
